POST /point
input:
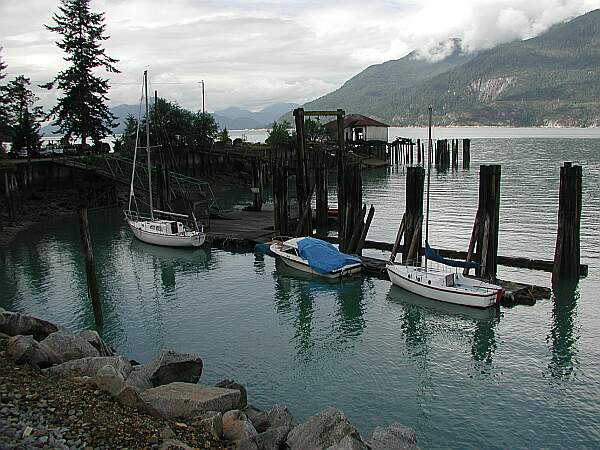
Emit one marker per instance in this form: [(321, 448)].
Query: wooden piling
[(466, 153), (257, 199), (90, 268), (301, 169), (567, 250), (341, 167), (489, 214), (415, 178), (365, 231), (321, 174)]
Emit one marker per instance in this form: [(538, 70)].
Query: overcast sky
[(254, 53)]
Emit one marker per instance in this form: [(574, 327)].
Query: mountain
[(230, 118), (262, 118), (239, 123), (552, 79), (120, 111)]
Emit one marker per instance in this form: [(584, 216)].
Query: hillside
[(552, 79)]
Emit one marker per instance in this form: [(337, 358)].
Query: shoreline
[(69, 390)]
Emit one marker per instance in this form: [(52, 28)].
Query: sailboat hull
[(433, 284), (166, 240)]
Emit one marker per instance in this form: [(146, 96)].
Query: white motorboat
[(442, 285), (287, 249), (162, 227)]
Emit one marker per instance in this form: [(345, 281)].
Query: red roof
[(358, 120)]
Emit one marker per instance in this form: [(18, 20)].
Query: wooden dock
[(241, 230)]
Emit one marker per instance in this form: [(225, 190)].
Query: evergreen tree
[(4, 124), (82, 110), (224, 135), (24, 116)]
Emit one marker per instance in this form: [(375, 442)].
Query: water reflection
[(296, 298), (564, 332), (419, 315)]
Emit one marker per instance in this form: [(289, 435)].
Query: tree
[(82, 110), (224, 135), (280, 135), (24, 115), (4, 123), (204, 131), (126, 142), (315, 130)]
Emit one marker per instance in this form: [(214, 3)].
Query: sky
[(253, 53)]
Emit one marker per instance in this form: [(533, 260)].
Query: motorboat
[(315, 257)]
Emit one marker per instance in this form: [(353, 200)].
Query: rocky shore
[(69, 390)]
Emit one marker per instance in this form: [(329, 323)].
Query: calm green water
[(462, 378)]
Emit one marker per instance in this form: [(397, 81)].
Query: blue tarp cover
[(322, 256), (433, 255)]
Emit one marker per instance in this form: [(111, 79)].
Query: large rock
[(272, 439), (96, 341), (231, 384), (189, 400), (14, 324), (139, 378), (237, 427), (69, 346), (350, 442), (260, 419), (89, 367), (272, 427), (210, 422), (393, 437), (171, 366), (326, 429), (26, 350)]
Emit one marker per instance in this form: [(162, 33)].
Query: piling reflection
[(564, 332), (419, 313), (297, 295)]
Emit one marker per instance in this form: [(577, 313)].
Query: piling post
[(321, 173), (365, 230), (489, 215), (341, 167), (567, 250), (90, 268), (415, 178), (302, 170), (256, 185), (466, 153)]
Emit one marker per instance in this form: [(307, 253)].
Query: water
[(462, 378)]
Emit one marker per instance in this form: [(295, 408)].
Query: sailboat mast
[(148, 143), (429, 152)]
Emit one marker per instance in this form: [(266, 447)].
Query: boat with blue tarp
[(315, 256)]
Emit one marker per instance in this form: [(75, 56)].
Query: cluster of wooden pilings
[(483, 245), (444, 153), (311, 165)]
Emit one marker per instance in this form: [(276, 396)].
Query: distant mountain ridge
[(231, 118), (552, 79)]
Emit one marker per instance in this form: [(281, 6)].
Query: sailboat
[(161, 227), (438, 284)]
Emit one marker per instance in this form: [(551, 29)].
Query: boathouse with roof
[(359, 128)]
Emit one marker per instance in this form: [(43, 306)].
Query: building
[(362, 128)]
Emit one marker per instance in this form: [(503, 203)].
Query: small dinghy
[(315, 256)]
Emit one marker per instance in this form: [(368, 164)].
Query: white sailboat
[(442, 285), (162, 227)]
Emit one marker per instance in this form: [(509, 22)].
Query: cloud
[(252, 53)]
